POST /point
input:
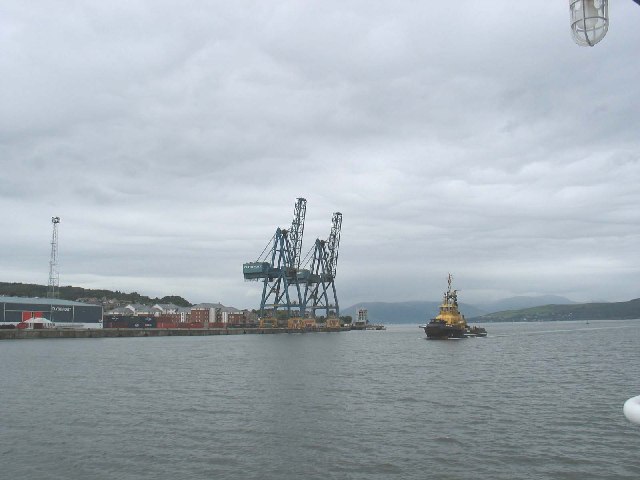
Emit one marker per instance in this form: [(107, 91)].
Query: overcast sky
[(172, 138)]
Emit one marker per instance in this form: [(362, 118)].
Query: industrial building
[(63, 313)]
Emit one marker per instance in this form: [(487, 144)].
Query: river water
[(534, 400)]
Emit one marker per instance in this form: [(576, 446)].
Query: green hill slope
[(582, 311), (78, 293)]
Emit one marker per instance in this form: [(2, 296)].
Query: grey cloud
[(471, 137)]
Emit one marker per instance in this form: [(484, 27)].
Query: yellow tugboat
[(450, 323)]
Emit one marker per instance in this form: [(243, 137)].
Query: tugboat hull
[(475, 332), (442, 331)]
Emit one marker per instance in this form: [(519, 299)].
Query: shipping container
[(117, 323), (190, 325), (164, 324), (142, 322)]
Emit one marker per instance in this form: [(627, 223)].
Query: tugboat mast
[(451, 297)]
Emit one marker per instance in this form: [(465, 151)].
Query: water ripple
[(539, 401)]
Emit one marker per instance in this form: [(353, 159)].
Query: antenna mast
[(54, 276)]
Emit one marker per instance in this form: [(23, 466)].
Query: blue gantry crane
[(290, 291), (320, 288), (278, 268)]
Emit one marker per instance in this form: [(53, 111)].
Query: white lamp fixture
[(589, 21), (632, 409)]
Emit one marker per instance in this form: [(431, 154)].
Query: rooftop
[(42, 301)]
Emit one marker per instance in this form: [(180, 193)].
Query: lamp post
[(589, 21)]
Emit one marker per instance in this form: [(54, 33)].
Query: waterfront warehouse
[(63, 313)]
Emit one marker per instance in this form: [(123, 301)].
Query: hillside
[(520, 302), (86, 294), (582, 311), (421, 312)]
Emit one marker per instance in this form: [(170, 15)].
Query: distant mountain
[(86, 294), (521, 308), (520, 302), (579, 311), (404, 312)]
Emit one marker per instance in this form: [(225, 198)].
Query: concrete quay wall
[(18, 334)]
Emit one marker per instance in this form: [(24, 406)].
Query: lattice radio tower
[(54, 276)]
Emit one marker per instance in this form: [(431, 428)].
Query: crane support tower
[(281, 290), (278, 269), (320, 288), (54, 276)]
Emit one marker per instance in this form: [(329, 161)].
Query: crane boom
[(297, 231), (334, 242)]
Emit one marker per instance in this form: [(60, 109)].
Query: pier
[(48, 333)]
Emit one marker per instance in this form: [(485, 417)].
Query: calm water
[(532, 401)]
